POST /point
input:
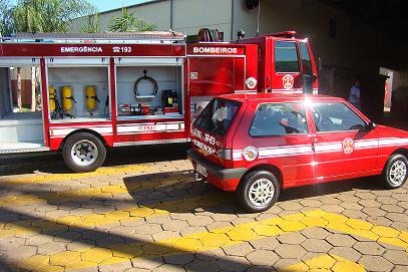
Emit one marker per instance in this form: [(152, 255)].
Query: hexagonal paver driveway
[(153, 216)]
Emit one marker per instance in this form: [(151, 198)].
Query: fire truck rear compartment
[(74, 87), (19, 131)]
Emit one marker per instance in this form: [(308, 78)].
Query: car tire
[(83, 152), (258, 191), (395, 173)]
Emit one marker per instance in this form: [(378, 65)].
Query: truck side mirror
[(307, 83)]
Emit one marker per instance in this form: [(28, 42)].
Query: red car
[(258, 144)]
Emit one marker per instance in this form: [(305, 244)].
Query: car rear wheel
[(83, 152), (258, 191), (395, 173)]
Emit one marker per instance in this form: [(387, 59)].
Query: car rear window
[(217, 116), (278, 119)]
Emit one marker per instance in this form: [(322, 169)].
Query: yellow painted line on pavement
[(227, 236), (48, 178), (103, 192), (325, 263), (49, 225)]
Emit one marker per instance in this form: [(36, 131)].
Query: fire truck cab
[(94, 91)]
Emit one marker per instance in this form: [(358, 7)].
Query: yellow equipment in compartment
[(67, 99), (52, 93), (91, 98)]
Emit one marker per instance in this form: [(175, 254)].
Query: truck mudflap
[(212, 169)]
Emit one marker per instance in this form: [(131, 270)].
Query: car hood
[(385, 131)]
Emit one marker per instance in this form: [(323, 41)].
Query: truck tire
[(395, 173), (258, 191), (83, 152)]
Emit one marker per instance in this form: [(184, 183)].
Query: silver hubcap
[(84, 152), (398, 173), (261, 192)]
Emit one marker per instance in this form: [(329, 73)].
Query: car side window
[(335, 117), (279, 119)]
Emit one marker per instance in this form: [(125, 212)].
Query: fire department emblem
[(348, 146), (288, 82)]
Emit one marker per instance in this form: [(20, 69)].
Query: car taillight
[(225, 154)]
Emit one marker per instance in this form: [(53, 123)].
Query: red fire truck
[(110, 90)]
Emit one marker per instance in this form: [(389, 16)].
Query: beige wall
[(191, 15), (157, 13)]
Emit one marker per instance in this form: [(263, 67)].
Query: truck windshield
[(217, 116)]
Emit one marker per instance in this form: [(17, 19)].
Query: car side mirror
[(369, 127)]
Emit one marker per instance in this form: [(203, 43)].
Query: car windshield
[(217, 116)]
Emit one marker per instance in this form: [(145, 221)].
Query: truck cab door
[(292, 67), (285, 66)]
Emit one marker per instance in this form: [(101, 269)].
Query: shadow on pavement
[(51, 162), (320, 189), (174, 192), (228, 204), (133, 246)]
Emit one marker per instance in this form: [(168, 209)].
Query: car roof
[(278, 97)]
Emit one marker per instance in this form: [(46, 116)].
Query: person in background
[(355, 95)]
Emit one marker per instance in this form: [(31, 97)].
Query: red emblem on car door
[(348, 146)]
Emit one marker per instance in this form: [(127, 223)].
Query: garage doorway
[(387, 87)]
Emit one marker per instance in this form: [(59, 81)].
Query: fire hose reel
[(153, 82)]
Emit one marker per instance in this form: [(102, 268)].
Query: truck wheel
[(395, 173), (83, 152), (258, 191)]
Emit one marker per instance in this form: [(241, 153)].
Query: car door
[(280, 133), (343, 147)]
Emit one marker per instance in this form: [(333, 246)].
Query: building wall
[(191, 15), (355, 46), (157, 13)]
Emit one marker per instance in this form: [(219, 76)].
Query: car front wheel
[(395, 172), (258, 191)]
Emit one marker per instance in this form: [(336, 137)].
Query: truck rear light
[(225, 154)]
